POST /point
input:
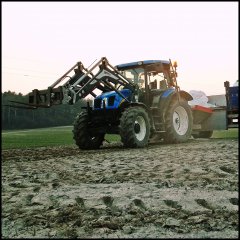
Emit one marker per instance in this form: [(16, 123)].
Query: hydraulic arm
[(78, 83)]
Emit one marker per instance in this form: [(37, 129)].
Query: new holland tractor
[(137, 100)]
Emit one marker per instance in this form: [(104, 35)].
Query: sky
[(42, 40)]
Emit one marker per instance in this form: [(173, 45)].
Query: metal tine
[(20, 103), (15, 106), (27, 104)]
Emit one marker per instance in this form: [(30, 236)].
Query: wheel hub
[(136, 128), (180, 120), (140, 128)]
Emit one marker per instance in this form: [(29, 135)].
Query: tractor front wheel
[(134, 127), (84, 138)]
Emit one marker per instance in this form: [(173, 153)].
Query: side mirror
[(174, 75)]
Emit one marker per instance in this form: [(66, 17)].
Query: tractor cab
[(151, 76), (156, 74)]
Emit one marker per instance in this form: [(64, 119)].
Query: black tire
[(203, 134), (178, 121), (134, 127), (82, 136)]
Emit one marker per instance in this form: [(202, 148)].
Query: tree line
[(19, 118)]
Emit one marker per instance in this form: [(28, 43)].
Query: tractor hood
[(125, 92), (112, 99)]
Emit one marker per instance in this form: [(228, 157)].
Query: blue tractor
[(138, 100)]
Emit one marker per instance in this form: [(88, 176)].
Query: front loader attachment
[(20, 106), (80, 83)]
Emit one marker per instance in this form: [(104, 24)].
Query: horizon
[(42, 40)]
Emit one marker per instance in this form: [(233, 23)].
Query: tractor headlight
[(105, 102)]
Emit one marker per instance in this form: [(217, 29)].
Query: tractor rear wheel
[(84, 138), (178, 121), (134, 127)]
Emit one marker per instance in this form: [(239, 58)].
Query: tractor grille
[(97, 103), (111, 101)]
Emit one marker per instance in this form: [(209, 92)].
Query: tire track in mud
[(179, 190)]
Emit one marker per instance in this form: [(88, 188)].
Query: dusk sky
[(42, 40)]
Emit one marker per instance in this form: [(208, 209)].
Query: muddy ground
[(187, 190)]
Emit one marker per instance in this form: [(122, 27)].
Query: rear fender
[(167, 97)]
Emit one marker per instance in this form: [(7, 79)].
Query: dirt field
[(186, 190)]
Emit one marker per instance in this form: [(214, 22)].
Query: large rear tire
[(84, 138), (134, 127), (178, 122)]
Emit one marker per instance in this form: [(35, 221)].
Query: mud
[(185, 190)]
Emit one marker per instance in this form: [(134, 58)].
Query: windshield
[(135, 75)]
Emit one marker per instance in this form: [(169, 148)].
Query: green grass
[(230, 133), (36, 137), (42, 137), (59, 136)]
